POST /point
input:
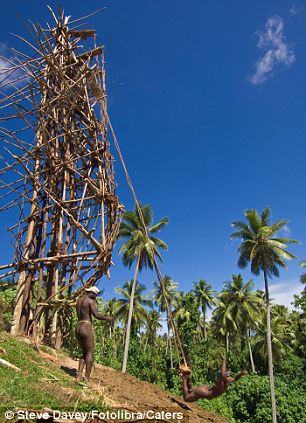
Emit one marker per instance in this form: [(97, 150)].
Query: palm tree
[(111, 308), (187, 317), (282, 336), (205, 299), (141, 247), (223, 318), (261, 294), (168, 294), (265, 253), (153, 324), (245, 306), (140, 301), (181, 312), (185, 308)]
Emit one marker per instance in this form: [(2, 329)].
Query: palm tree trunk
[(129, 321), (170, 344), (269, 347), (227, 342), (110, 331), (251, 354), (204, 323), (167, 343), (146, 343)]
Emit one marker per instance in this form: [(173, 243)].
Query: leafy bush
[(291, 369), (7, 298), (249, 401)]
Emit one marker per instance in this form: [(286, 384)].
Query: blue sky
[(208, 103)]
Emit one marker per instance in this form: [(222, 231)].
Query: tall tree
[(153, 324), (266, 252), (223, 318), (140, 248), (282, 333), (181, 313), (299, 321), (206, 300), (169, 294), (140, 302), (187, 317), (111, 309), (245, 308)]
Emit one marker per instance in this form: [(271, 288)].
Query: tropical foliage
[(208, 322), (142, 248), (266, 252)]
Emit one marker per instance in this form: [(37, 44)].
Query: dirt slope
[(125, 391), (46, 381)]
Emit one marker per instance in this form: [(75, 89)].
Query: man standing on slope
[(86, 308)]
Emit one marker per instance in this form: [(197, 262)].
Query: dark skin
[(203, 391), (86, 308)]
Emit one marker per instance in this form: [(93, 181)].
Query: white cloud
[(286, 231), (278, 53), (295, 10), (7, 64), (283, 292)]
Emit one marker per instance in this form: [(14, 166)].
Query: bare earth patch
[(120, 390)]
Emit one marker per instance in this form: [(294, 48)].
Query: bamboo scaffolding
[(61, 174)]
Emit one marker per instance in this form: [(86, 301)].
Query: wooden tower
[(58, 172)]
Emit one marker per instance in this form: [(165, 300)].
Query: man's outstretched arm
[(97, 315)]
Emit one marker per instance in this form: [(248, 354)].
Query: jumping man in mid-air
[(203, 391), (86, 308)]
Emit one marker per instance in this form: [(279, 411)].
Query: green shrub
[(7, 298), (249, 400)]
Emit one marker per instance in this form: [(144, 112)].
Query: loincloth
[(84, 321)]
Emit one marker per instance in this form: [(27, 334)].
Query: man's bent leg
[(220, 386)]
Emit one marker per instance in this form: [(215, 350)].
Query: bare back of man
[(203, 391), (86, 308)]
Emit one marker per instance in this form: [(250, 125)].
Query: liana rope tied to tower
[(177, 340), (190, 393)]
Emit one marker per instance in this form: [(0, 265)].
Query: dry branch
[(5, 363)]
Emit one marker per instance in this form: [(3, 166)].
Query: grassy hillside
[(47, 380), (41, 383)]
